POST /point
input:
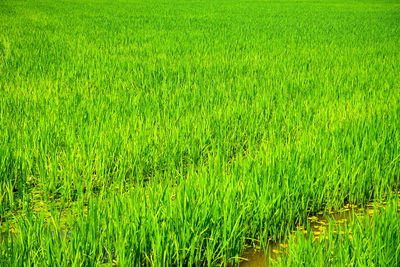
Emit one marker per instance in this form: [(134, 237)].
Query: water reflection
[(318, 224)]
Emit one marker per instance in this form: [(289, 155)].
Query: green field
[(178, 133)]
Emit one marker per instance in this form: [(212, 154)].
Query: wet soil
[(318, 225)]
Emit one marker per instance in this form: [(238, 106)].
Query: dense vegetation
[(176, 132), (366, 241)]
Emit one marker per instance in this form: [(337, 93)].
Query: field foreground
[(178, 133)]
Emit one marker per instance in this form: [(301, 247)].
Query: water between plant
[(318, 224)]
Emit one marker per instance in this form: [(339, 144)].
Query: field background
[(178, 132)]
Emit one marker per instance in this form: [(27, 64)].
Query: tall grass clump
[(366, 241)]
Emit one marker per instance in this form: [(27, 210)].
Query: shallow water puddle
[(318, 225)]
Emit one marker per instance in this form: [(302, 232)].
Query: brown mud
[(318, 225)]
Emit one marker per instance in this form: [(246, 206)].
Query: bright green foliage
[(173, 132), (365, 242)]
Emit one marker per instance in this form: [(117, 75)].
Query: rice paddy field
[(183, 133)]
